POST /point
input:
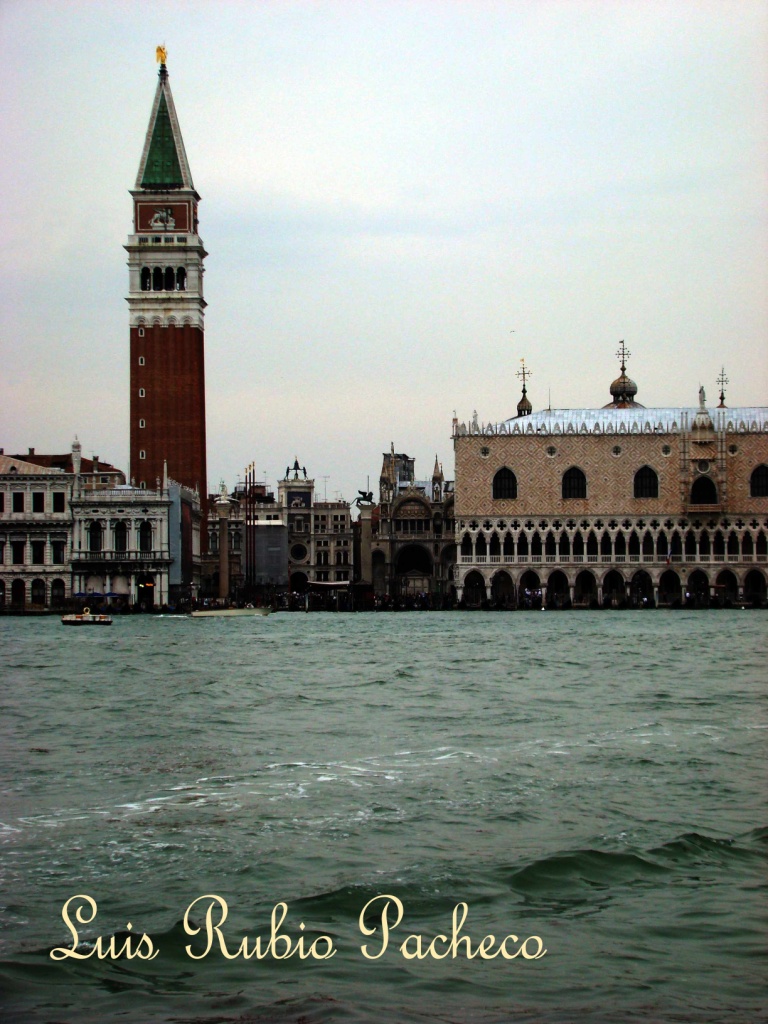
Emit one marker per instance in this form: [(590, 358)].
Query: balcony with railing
[(81, 557)]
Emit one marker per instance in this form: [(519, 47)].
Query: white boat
[(86, 618), (229, 613)]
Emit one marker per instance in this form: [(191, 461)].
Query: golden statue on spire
[(160, 54)]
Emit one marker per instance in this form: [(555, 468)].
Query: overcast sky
[(400, 201)]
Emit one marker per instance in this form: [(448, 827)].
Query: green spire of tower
[(164, 162), (162, 169)]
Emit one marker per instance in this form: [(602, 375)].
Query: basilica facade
[(613, 507)]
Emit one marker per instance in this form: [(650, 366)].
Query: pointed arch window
[(94, 537), (505, 484), (121, 537), (574, 484), (646, 483), (145, 537), (758, 482)]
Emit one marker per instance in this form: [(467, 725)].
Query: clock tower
[(165, 300)]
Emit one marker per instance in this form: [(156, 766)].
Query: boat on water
[(227, 613), (86, 618)]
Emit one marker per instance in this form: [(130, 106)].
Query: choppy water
[(593, 778)]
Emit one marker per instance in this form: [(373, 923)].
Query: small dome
[(524, 407), (623, 391)]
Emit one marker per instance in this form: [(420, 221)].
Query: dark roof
[(65, 462)]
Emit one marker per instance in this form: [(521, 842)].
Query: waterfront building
[(292, 543), (265, 540), (320, 544), (166, 307), (408, 548), (623, 505), (35, 534), (136, 546)]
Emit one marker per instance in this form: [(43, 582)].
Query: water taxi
[(86, 618)]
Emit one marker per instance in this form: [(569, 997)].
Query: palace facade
[(618, 506)]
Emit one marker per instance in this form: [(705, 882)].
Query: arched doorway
[(614, 590), (697, 590), (38, 592), (529, 590), (641, 590), (754, 588), (474, 590), (585, 590), (503, 590), (413, 570), (57, 593), (298, 582), (557, 590), (18, 594), (670, 592), (727, 588), (145, 591)]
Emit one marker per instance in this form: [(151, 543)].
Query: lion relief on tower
[(163, 219)]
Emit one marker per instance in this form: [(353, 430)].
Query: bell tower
[(166, 305)]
